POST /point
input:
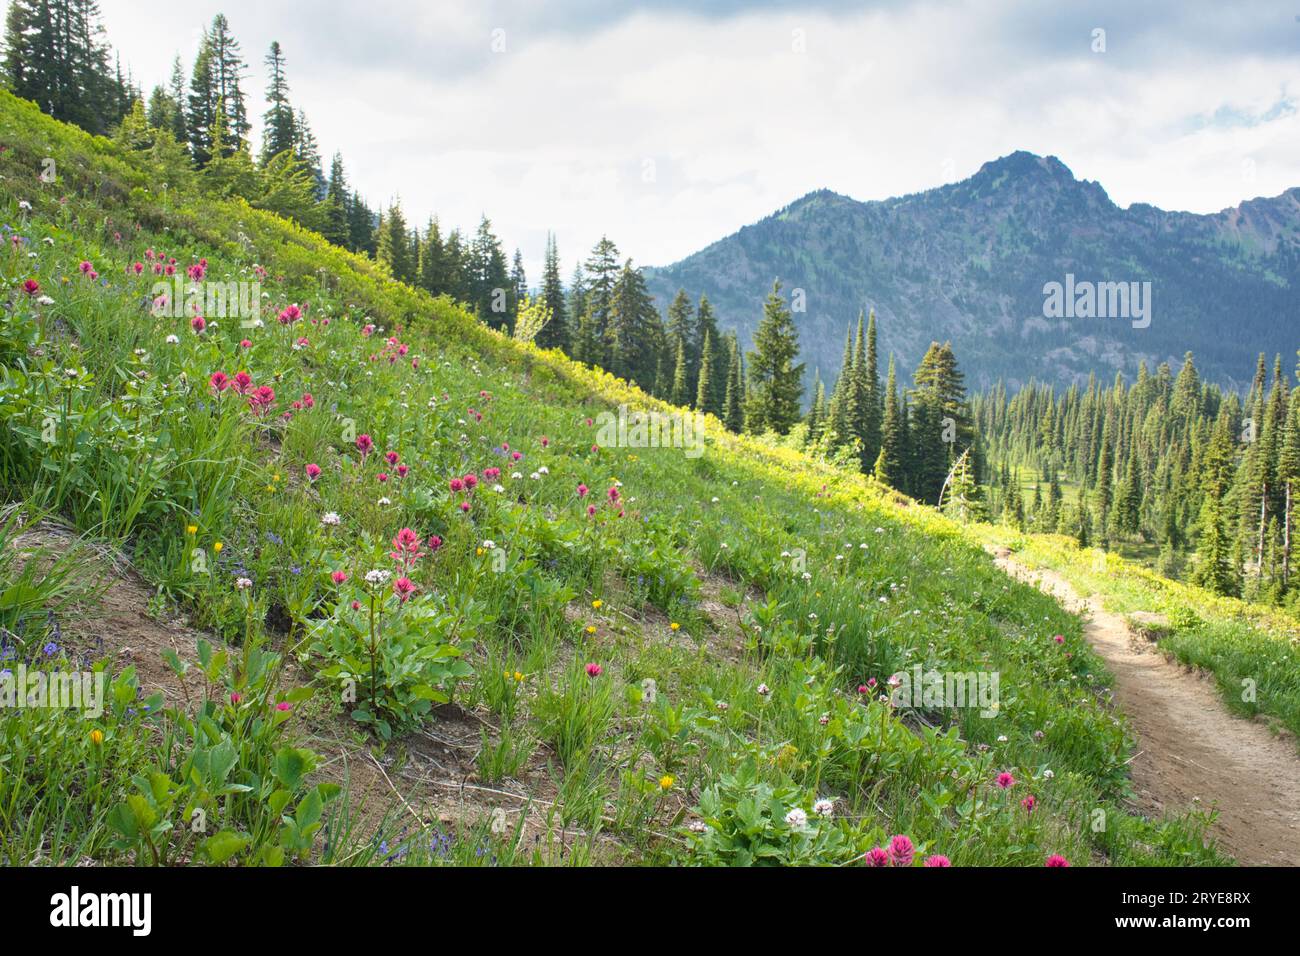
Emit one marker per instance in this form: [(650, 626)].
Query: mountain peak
[(1023, 165)]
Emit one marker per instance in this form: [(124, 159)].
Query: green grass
[(690, 745)]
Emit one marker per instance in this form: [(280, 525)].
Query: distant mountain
[(969, 262)]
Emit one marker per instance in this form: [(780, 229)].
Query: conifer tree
[(278, 131), (488, 278), (518, 283), (705, 393), (634, 335), (775, 382), (336, 205), (842, 411), (891, 460), (874, 408), (733, 408), (681, 384), (942, 426), (706, 325), (394, 244), (431, 273), (817, 412), (556, 333), (601, 273), (681, 329), (1216, 564)]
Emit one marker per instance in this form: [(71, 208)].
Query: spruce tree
[(733, 407), (601, 273), (488, 278), (518, 284), (394, 244), (842, 412), (556, 333), (1216, 563), (705, 393), (891, 459), (681, 329), (278, 131), (634, 335), (681, 391), (874, 410), (775, 382), (336, 205), (706, 324)]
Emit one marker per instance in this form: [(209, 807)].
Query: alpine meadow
[(393, 512)]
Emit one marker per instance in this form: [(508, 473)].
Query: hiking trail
[(1190, 747)]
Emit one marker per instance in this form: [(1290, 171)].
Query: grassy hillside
[(640, 655)]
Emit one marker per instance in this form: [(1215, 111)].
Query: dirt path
[(1189, 746)]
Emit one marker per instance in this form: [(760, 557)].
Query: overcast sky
[(669, 125)]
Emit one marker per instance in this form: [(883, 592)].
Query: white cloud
[(558, 131)]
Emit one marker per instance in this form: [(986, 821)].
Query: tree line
[(1170, 462)]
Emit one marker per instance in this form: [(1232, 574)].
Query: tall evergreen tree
[(336, 205), (775, 381), (681, 390), (942, 428), (892, 459), (488, 277), (874, 407), (601, 273), (733, 407), (395, 244), (706, 325), (278, 131), (705, 393), (1216, 567), (555, 335), (634, 334), (215, 80)]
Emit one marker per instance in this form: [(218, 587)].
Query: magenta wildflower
[(901, 850), (876, 856)]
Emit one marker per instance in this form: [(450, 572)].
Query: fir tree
[(775, 381), (733, 407), (681, 391), (395, 244), (556, 333), (1216, 564), (891, 460), (278, 132), (705, 393)]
